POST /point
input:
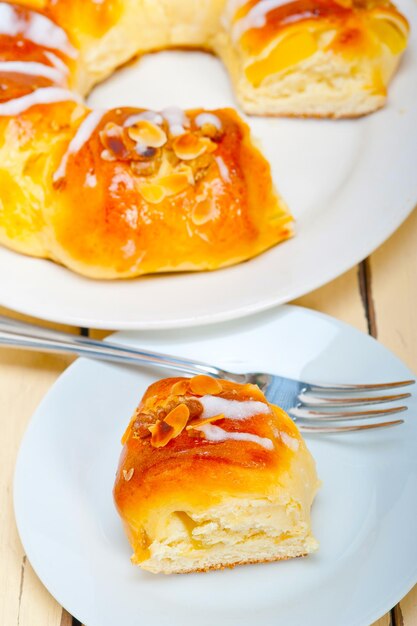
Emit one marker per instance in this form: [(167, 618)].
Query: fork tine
[(309, 415), (346, 429), (360, 388), (314, 401)]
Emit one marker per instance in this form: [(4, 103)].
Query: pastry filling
[(239, 530)]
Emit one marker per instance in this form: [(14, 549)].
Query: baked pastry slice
[(212, 476), (315, 58)]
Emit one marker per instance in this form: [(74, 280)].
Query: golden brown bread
[(125, 192), (315, 58), (212, 476)]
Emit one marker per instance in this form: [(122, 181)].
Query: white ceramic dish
[(349, 183), (364, 515)]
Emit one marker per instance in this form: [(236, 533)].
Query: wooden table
[(379, 296)]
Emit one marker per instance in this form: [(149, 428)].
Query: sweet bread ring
[(212, 476), (120, 193)]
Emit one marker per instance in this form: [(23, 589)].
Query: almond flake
[(207, 420), (162, 433), (204, 212), (147, 134), (203, 385), (174, 183), (151, 192), (190, 146), (178, 418), (254, 392), (127, 474), (180, 387)]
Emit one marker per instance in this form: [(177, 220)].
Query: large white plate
[(364, 515), (349, 183)]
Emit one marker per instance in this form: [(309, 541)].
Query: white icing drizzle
[(45, 95), (131, 217), (223, 169), (90, 180), (56, 61), (215, 433), (208, 118), (176, 119), (290, 442), (129, 248), (232, 409), (150, 116), (33, 69), (256, 18), (83, 134), (38, 29)]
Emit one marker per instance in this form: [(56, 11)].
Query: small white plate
[(349, 184), (364, 515)]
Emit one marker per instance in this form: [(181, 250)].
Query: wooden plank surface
[(25, 377), (384, 621), (393, 269), (393, 274), (379, 296), (341, 298)]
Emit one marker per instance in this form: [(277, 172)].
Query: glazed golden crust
[(204, 467), (191, 457), (347, 18), (174, 210)]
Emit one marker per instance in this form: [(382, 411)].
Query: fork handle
[(18, 334)]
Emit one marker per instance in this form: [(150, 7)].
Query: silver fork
[(315, 408)]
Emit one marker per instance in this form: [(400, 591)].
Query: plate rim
[(225, 316)]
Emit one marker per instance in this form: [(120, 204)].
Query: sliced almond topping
[(204, 211), (151, 192), (254, 392), (180, 387), (127, 474), (147, 133), (210, 145), (178, 418), (182, 168), (145, 168), (161, 434), (106, 155), (190, 146), (207, 420), (170, 427), (113, 141), (203, 385), (174, 183), (210, 130)]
